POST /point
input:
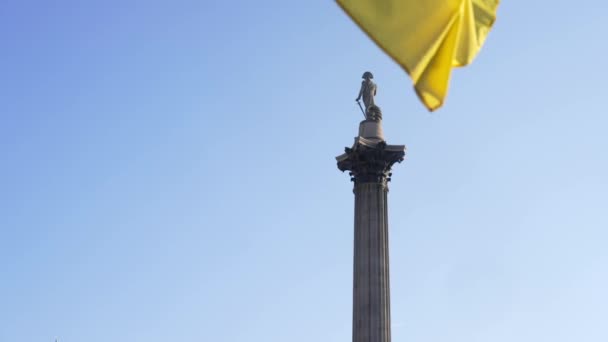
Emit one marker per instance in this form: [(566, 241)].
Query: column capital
[(370, 161)]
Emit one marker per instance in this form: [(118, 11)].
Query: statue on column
[(367, 92)]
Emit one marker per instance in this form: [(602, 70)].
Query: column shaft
[(371, 290)]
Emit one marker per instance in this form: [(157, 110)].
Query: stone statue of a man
[(368, 91)]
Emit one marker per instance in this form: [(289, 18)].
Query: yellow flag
[(426, 37)]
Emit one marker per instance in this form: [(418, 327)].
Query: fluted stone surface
[(371, 288), (369, 162)]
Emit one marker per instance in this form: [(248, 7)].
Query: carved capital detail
[(370, 162)]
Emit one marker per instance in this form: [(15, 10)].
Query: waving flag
[(426, 37)]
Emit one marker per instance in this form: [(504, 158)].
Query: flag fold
[(426, 37)]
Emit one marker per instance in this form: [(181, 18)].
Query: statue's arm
[(361, 91)]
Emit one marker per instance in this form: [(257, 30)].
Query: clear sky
[(168, 174)]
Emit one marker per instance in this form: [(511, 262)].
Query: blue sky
[(168, 174)]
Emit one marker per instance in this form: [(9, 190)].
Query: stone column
[(369, 162)]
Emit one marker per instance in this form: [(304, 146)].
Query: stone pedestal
[(369, 162), (371, 129)]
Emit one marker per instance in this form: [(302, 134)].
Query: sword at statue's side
[(361, 107)]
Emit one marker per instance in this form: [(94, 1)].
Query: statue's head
[(367, 75)]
